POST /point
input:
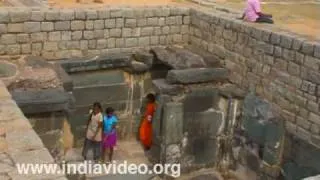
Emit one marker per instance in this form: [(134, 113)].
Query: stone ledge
[(112, 61), (42, 101), (163, 87), (197, 75)]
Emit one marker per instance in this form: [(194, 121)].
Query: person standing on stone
[(109, 132), (94, 133), (145, 131), (253, 13)]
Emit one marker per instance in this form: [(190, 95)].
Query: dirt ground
[(299, 16)]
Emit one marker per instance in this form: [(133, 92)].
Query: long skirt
[(146, 133), (109, 140)]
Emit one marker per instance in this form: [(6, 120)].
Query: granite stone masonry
[(19, 143), (281, 67), (66, 33)]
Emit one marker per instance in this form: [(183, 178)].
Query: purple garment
[(252, 10), (109, 139)]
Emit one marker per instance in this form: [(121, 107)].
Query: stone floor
[(126, 150)]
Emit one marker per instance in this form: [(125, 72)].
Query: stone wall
[(281, 67), (19, 143), (65, 33)]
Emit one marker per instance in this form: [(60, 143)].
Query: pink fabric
[(252, 8)]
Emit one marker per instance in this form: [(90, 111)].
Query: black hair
[(151, 97), (109, 110), (98, 105)]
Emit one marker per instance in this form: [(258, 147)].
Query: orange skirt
[(145, 133)]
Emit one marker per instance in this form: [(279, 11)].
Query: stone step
[(197, 75), (178, 58)]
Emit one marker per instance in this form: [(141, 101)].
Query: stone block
[(25, 48), (101, 43), (178, 58), (76, 35), (18, 15), (153, 21), (13, 49), (66, 35), (147, 31), (297, 43), (41, 101), (293, 69), (8, 39), (162, 87), (308, 48), (311, 62), (4, 16), (52, 15), (115, 32), (111, 43), (88, 35), (67, 15), (197, 75), (98, 24), (173, 122), (299, 58), (62, 25), (54, 36), (304, 123), (36, 47), (311, 75), (144, 41), (288, 54), (131, 42), (130, 23), (119, 22), (103, 13), (317, 50), (314, 118), (91, 14), (89, 25), (50, 46), (3, 28), (286, 41), (47, 26), (77, 25), (275, 38), (80, 14), (31, 27), (110, 23), (313, 106), (15, 28)]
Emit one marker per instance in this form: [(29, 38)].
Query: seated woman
[(253, 13), (145, 131)]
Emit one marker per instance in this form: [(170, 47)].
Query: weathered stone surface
[(138, 67), (178, 58), (162, 87), (95, 63), (172, 123), (23, 141), (197, 75), (144, 57), (231, 90), (41, 101), (173, 153)]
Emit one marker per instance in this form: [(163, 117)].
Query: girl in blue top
[(109, 132)]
